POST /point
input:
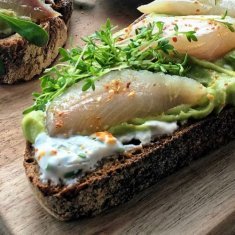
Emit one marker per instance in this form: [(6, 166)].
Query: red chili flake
[(117, 83), (174, 39), (60, 113), (106, 86)]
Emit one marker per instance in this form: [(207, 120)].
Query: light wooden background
[(200, 199)]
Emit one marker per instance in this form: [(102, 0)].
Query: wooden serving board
[(199, 199)]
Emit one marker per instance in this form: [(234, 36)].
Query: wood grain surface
[(199, 199)]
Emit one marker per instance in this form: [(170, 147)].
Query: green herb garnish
[(229, 26), (104, 52), (224, 15), (72, 174), (69, 174), (190, 35), (82, 155), (27, 29), (50, 167), (225, 23)]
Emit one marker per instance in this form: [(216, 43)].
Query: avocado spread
[(33, 124)]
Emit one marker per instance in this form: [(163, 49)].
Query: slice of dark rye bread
[(23, 60), (117, 179)]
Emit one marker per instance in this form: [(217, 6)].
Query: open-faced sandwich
[(130, 108), (31, 33)]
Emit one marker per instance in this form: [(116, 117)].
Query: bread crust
[(23, 60), (117, 179)]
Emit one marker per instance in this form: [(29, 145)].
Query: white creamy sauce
[(60, 158), (155, 128)]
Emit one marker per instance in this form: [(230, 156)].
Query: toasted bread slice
[(117, 179), (23, 60)]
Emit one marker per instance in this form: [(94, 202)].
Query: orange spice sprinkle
[(115, 87), (60, 113), (53, 152), (111, 91), (210, 97), (111, 141), (106, 87), (105, 137), (117, 83), (59, 123), (41, 154), (132, 93)]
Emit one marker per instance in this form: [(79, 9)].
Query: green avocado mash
[(33, 124)]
